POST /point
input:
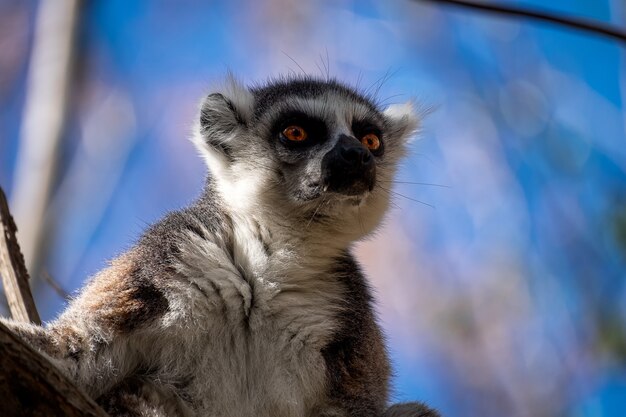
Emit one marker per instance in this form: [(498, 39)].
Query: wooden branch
[(13, 271), (31, 386), (542, 15)]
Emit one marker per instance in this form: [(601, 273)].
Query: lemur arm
[(106, 332), (356, 359), (359, 370)]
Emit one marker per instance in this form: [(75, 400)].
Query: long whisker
[(323, 65), (383, 102), (358, 214), (359, 78), (327, 65), (315, 212), (295, 62), (408, 198), (416, 183)]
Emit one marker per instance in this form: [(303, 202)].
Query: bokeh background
[(505, 299)]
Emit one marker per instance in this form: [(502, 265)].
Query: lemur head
[(312, 152)]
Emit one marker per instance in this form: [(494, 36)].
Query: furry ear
[(403, 120), (223, 115), (224, 111)]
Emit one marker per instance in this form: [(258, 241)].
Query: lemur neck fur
[(279, 232)]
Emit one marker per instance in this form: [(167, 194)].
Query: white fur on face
[(249, 184)]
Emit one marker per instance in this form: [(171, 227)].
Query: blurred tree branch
[(514, 11), (46, 105)]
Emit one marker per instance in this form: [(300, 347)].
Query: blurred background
[(508, 298)]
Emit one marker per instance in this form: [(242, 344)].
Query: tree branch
[(31, 386), (13, 271), (572, 22)]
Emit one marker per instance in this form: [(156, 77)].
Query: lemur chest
[(261, 372), (262, 320)]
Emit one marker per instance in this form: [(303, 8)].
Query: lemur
[(248, 302)]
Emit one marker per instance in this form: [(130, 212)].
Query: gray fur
[(248, 302)]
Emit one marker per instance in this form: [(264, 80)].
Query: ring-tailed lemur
[(248, 302)]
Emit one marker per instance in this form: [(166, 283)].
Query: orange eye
[(371, 142), (295, 133)]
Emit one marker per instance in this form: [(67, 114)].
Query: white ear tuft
[(403, 119), (239, 95), (224, 115)]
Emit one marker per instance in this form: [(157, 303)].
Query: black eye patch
[(361, 128), (316, 130)]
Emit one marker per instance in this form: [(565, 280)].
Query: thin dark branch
[(572, 22), (56, 286)]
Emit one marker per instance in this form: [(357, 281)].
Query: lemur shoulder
[(248, 302)]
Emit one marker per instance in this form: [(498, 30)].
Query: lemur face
[(302, 144), (327, 141)]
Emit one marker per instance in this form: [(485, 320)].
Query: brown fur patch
[(69, 344), (119, 298), (36, 336)]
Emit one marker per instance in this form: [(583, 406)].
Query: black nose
[(349, 167), (356, 155)]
